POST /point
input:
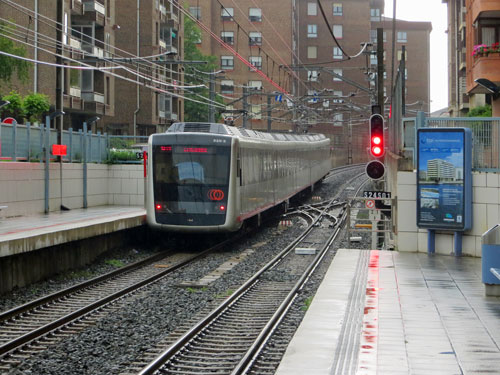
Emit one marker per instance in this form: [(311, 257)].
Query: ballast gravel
[(115, 341)]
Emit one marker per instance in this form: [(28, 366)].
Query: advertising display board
[(444, 178)]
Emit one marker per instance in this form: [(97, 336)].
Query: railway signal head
[(377, 143), (375, 170)]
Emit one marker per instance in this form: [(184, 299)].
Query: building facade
[(260, 32), (154, 32), (483, 51), (100, 34)]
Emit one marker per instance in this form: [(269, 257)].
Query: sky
[(430, 11)]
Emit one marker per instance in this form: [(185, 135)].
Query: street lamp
[(493, 89), (3, 103)]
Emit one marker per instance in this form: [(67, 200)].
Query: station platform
[(28, 233), (35, 247), (388, 312)]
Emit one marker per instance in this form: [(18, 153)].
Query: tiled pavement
[(421, 315)]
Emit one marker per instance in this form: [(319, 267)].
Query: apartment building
[(483, 52), (261, 32), (458, 97), (146, 105), (86, 32)]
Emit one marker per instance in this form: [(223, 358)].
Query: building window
[(255, 85), (373, 36), (227, 86), (227, 14), (337, 119), (488, 33), (373, 58), (337, 31), (227, 37), (65, 34), (402, 36), (337, 53), (312, 10), (227, 62), (406, 73), (256, 111), (256, 61), (255, 38), (312, 31), (312, 52), (195, 12), (375, 14), (338, 98), (339, 72), (312, 76), (400, 55), (337, 9), (255, 15)]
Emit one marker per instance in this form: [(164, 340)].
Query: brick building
[(472, 24), (153, 29), (99, 33), (86, 32), (261, 32)]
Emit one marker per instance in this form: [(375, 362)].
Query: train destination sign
[(444, 178)]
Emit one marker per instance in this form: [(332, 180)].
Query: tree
[(196, 111), (35, 105), (9, 65), (15, 108)]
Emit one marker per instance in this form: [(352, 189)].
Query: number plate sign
[(377, 194)]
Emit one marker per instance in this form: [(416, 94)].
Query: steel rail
[(80, 313)]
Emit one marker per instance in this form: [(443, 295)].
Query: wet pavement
[(415, 314)]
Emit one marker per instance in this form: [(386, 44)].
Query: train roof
[(207, 127)]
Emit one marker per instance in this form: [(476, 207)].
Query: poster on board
[(444, 186)]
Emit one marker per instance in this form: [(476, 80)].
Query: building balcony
[(93, 50), (483, 9), (76, 7), (94, 11), (72, 103), (94, 103), (483, 66)]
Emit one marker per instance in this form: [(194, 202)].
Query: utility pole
[(245, 107), (58, 121), (380, 69), (211, 107)]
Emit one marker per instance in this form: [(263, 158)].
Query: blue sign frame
[(444, 178)]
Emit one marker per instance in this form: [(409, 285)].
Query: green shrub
[(35, 105), (15, 108)]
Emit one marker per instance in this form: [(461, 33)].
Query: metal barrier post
[(90, 145), (84, 156), (99, 145), (42, 134), (47, 161), (80, 137), (28, 135), (14, 139), (70, 146)]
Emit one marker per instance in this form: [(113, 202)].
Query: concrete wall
[(485, 210), (22, 186)]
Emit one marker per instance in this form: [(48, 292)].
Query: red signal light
[(376, 124), (222, 208)]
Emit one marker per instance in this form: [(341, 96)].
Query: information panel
[(444, 178)]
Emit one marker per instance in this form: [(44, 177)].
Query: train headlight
[(158, 207)]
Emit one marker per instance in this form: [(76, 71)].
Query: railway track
[(31, 328), (231, 338)]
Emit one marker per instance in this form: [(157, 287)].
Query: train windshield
[(191, 179)]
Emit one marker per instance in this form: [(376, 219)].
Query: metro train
[(206, 177)]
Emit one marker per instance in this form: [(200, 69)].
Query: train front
[(188, 183)]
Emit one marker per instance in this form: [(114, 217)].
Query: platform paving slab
[(424, 314)]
